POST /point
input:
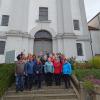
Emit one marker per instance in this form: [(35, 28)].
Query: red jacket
[(57, 67)]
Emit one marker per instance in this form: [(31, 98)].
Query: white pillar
[(60, 45), (67, 16), (60, 21), (54, 45)]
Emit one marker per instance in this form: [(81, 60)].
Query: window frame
[(2, 50), (78, 49), (76, 24), (5, 20), (43, 13)]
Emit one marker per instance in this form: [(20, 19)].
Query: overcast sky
[(92, 8)]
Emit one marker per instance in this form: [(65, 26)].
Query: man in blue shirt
[(29, 71)]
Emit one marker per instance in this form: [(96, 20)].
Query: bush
[(88, 85), (95, 62), (82, 65), (6, 76), (83, 73)]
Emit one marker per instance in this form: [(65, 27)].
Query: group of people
[(48, 68)]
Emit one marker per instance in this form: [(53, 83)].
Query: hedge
[(83, 73), (6, 76), (95, 62)]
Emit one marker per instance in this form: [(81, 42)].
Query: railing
[(76, 86), (81, 92)]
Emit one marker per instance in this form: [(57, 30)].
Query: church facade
[(34, 26)]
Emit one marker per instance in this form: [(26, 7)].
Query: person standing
[(49, 70), (38, 72), (57, 71), (19, 73), (67, 71), (29, 70)]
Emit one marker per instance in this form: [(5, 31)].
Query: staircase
[(46, 93)]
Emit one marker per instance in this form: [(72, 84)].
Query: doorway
[(42, 42)]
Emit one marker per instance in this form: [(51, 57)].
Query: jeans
[(38, 80), (26, 82), (49, 78), (19, 82), (57, 79), (30, 81), (67, 79)]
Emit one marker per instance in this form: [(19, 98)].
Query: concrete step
[(34, 99), (40, 96), (45, 93), (55, 96), (43, 87), (63, 99), (42, 91)]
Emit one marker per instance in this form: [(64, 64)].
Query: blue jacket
[(29, 67), (67, 69), (48, 67)]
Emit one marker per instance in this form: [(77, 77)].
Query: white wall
[(83, 17), (19, 44), (2, 58), (34, 14), (76, 15), (5, 9), (60, 45), (95, 41), (19, 15), (70, 47), (55, 46)]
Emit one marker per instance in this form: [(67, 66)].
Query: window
[(79, 49), (2, 47), (5, 20), (0, 3), (43, 13), (76, 25)]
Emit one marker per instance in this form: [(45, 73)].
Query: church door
[(42, 42)]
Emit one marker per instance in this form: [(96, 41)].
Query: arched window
[(42, 42), (43, 35)]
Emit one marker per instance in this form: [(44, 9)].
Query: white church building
[(32, 26)]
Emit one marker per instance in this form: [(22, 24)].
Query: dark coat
[(38, 68)]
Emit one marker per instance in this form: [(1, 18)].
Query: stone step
[(62, 99), (53, 91), (40, 96), (55, 96), (43, 87), (26, 98), (43, 91), (35, 99)]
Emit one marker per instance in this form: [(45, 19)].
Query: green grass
[(83, 73), (6, 76)]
